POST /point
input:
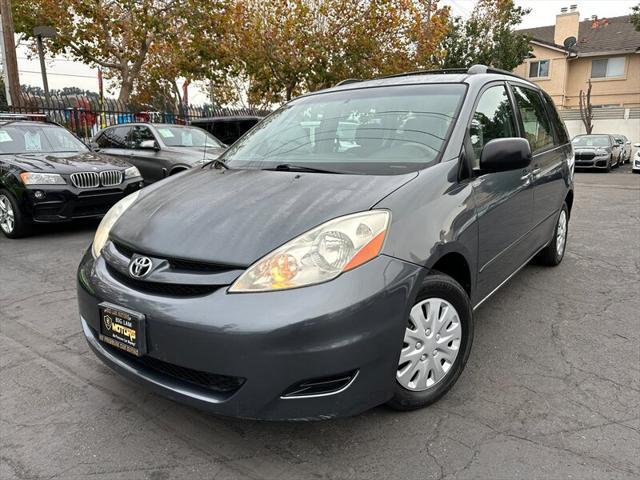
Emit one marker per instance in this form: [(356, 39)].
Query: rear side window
[(537, 126), (113, 138), (493, 118), (137, 135), (558, 124)]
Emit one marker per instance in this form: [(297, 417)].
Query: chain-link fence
[(85, 115)]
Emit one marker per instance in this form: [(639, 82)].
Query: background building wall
[(611, 91), (619, 121), (554, 84)]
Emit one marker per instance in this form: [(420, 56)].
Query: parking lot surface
[(551, 390)]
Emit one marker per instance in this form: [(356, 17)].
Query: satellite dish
[(570, 42)]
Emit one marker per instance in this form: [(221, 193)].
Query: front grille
[(210, 381), (585, 156), (110, 178), (85, 179), (165, 289), (177, 263)]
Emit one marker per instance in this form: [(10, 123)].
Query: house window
[(607, 67), (539, 69)]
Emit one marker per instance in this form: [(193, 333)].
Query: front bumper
[(597, 162), (273, 340), (61, 203)]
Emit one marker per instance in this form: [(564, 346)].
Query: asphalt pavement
[(551, 390)]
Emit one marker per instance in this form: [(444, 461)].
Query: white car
[(635, 163)]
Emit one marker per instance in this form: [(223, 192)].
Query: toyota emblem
[(140, 267)]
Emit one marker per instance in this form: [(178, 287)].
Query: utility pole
[(10, 58), (41, 32)]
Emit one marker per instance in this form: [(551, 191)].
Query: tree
[(634, 18), (113, 34), (289, 46), (488, 37), (586, 109)]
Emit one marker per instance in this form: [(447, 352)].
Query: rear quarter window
[(562, 137)]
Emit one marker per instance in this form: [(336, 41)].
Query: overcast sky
[(63, 72)]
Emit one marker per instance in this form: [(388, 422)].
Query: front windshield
[(19, 138), (382, 130), (187, 137), (591, 141)]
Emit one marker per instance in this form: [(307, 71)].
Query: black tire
[(20, 227), (549, 256), (444, 287), (608, 167)]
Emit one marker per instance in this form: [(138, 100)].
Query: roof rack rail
[(427, 72), (475, 69), (472, 70), (347, 81)]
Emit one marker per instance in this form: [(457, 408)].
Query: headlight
[(114, 213), (601, 151), (31, 178), (319, 255), (131, 172)]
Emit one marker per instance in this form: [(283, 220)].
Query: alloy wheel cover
[(431, 344)]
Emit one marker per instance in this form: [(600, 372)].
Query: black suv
[(332, 259), (47, 175)]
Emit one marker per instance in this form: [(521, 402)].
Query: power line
[(49, 59), (60, 74)]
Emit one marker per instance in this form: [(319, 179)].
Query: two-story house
[(566, 55)]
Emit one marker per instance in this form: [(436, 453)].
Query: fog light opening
[(321, 386), (39, 194)]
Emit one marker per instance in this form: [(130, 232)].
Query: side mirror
[(149, 145), (502, 154), (93, 146)]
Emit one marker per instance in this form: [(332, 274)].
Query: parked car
[(293, 279), (48, 175), (158, 149), (625, 148), (635, 167), (597, 151), (227, 129)]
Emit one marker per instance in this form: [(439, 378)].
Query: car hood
[(67, 162), (234, 217)]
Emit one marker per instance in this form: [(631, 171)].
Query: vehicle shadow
[(57, 229)]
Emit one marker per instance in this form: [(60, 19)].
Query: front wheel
[(436, 345), (553, 253), (11, 220)]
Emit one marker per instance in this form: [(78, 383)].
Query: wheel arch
[(455, 265), (569, 200), (177, 169)]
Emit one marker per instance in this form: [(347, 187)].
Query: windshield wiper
[(290, 167), (216, 163)]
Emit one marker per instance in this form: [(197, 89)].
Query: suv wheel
[(553, 253), (436, 344), (11, 221)]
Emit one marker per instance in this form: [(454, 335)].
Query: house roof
[(615, 34)]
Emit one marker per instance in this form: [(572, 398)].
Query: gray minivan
[(318, 272)]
